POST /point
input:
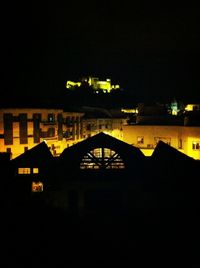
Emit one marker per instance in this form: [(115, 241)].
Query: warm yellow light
[(192, 107), (105, 86), (24, 170), (174, 112), (37, 187), (130, 111), (71, 84), (102, 158), (35, 170)]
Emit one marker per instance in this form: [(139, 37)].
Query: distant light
[(35, 170), (24, 170), (37, 187)]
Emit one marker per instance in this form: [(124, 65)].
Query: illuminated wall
[(130, 111), (192, 107), (22, 129), (71, 84), (105, 86), (110, 126), (192, 141), (184, 138)]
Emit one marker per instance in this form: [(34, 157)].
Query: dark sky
[(150, 50)]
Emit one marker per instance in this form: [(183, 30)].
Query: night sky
[(152, 51)]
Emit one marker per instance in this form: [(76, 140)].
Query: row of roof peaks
[(40, 154)]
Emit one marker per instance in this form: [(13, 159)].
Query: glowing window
[(37, 186), (196, 145), (102, 158), (35, 170), (24, 170)]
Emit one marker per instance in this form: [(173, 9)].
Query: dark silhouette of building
[(107, 193)]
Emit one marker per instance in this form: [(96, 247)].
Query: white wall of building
[(182, 138)]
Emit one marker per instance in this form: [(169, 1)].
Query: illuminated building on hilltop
[(94, 82), (71, 84)]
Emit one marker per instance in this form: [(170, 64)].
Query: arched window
[(102, 158)]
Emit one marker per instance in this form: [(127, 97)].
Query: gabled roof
[(128, 152), (165, 152), (36, 156)]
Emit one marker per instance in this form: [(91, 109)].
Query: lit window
[(140, 140), (24, 170), (102, 158), (35, 170), (196, 145), (37, 186)]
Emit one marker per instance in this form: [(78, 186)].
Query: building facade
[(111, 126), (184, 138), (22, 129)]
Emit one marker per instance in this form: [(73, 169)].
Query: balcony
[(48, 122)]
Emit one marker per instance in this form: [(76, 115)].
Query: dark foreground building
[(102, 203)]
